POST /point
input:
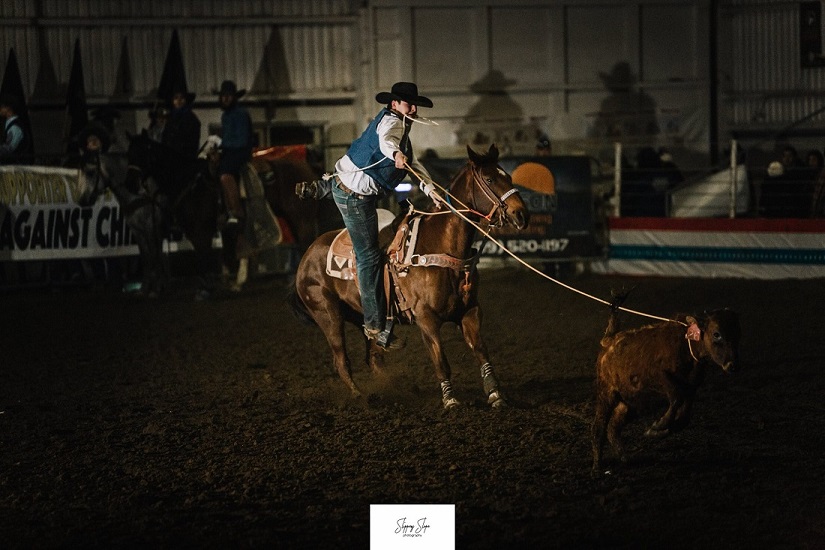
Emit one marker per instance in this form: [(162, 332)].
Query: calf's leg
[(614, 429)]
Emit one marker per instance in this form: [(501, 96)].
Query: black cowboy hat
[(492, 82), (404, 91), (620, 77), (181, 89), (228, 87), (94, 128)]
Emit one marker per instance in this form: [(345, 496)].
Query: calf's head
[(720, 337)]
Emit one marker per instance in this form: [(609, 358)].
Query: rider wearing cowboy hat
[(182, 131), (236, 151), (374, 165)]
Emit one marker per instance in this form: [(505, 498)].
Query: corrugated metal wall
[(764, 89), (505, 72), (320, 62), (285, 53), (272, 48)]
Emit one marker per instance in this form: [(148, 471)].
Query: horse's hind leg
[(327, 314), (471, 329)]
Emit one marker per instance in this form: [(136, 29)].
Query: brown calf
[(667, 358)]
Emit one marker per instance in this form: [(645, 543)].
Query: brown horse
[(433, 295), (305, 219), (155, 186), (300, 221)]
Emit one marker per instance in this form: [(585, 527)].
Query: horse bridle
[(499, 207)]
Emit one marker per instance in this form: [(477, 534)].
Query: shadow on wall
[(626, 114), (496, 118)]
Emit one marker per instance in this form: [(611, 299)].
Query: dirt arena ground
[(131, 423)]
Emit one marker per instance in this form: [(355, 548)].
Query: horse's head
[(486, 188)]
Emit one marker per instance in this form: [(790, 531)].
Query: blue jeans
[(361, 220)]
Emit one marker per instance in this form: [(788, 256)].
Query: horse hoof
[(495, 399), (656, 433), (451, 403), (235, 287)]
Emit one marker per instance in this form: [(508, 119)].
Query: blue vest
[(365, 151)]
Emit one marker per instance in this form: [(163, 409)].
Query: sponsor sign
[(562, 218), (40, 218)]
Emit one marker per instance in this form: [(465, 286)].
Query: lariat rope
[(513, 255)]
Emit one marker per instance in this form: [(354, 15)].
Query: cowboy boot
[(385, 339)]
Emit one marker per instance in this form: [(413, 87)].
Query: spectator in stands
[(109, 117), (157, 123), (17, 145), (543, 146), (790, 158), (645, 189), (182, 131), (93, 138), (817, 161), (787, 191)]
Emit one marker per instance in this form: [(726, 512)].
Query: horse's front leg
[(431, 334), (471, 329), (242, 276), (147, 262)]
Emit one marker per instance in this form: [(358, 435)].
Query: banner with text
[(40, 218), (557, 191)]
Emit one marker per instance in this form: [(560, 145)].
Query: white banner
[(716, 247), (41, 220)]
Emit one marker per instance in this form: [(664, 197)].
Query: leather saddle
[(341, 257)]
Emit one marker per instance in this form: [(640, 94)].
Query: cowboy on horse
[(374, 164)]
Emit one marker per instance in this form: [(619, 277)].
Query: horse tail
[(299, 309), (613, 325)]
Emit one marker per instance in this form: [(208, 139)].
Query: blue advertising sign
[(562, 221)]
